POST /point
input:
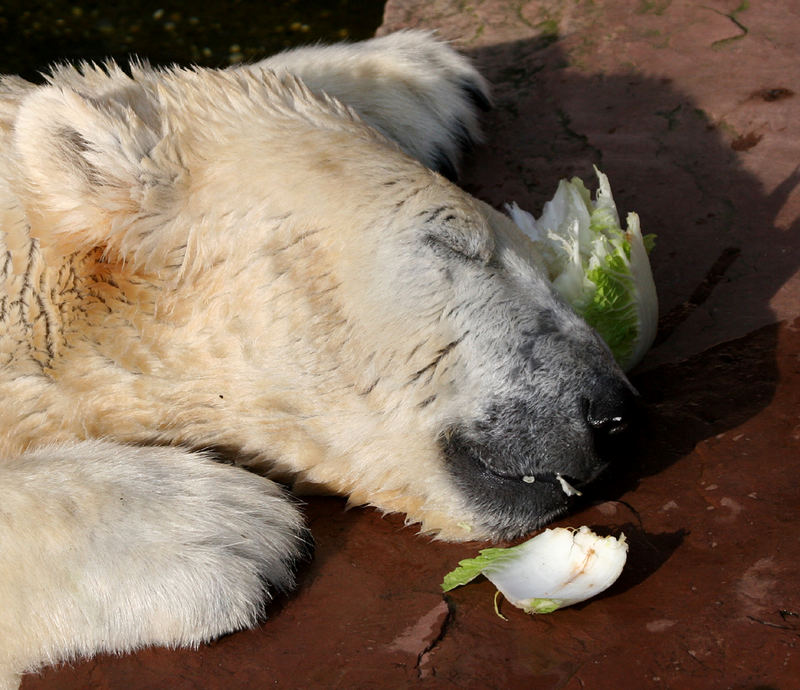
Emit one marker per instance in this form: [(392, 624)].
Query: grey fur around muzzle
[(566, 420)]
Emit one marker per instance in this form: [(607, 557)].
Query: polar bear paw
[(411, 86), (161, 546)]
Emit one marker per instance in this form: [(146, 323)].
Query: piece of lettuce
[(556, 568), (601, 270)]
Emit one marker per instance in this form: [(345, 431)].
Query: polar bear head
[(282, 280)]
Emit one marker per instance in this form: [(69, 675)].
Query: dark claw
[(444, 166), (305, 553), (477, 95), (465, 141)]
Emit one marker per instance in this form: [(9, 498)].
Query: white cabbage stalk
[(596, 266), (554, 569)]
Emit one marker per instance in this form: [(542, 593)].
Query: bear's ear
[(94, 172)]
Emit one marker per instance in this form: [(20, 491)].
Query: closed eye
[(441, 245), (459, 231)]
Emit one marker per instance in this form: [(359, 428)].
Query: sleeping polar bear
[(196, 262)]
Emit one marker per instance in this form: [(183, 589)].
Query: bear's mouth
[(456, 444), (567, 484), (509, 502)]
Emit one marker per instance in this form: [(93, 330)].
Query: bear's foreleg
[(106, 547), (411, 86)]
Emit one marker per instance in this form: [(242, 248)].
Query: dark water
[(36, 33)]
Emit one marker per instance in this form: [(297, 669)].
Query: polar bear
[(262, 264)]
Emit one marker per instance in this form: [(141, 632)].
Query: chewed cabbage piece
[(554, 569), (601, 270)]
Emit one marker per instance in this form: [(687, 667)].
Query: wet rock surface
[(692, 112)]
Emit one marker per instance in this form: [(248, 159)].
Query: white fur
[(108, 547), (234, 260)]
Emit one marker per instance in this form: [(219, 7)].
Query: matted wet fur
[(264, 259)]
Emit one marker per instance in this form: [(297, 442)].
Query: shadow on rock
[(647, 552)]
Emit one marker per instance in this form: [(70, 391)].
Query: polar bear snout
[(538, 408), (527, 457)]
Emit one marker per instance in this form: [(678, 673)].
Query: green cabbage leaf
[(601, 270)]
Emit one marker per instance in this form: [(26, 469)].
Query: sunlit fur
[(198, 262)]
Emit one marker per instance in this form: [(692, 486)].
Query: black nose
[(612, 409)]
